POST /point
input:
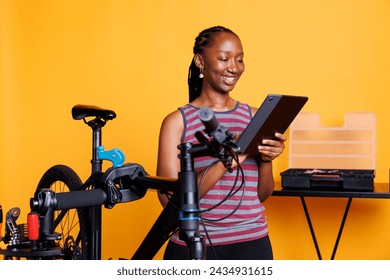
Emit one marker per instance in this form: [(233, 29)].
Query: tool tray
[(328, 179)]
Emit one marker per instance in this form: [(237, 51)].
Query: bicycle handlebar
[(207, 116), (78, 199), (130, 182)]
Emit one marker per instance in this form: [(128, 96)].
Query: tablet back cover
[(275, 114)]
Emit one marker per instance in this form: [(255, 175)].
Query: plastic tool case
[(328, 179)]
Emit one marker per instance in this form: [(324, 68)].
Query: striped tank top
[(231, 210)]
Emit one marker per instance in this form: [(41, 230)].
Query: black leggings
[(259, 249)]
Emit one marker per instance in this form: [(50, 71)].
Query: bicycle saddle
[(83, 111)]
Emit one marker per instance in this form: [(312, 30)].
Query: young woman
[(237, 227)]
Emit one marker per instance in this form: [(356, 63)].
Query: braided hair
[(203, 40)]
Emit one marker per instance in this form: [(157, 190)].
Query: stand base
[(31, 254)]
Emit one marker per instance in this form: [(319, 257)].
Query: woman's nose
[(232, 67)]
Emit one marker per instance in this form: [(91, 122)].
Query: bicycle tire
[(72, 224)]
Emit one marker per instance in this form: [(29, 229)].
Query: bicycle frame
[(181, 211), (128, 182)]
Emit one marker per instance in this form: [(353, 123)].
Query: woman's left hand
[(271, 149)]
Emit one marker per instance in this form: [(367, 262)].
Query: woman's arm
[(270, 150), (267, 153), (168, 164)]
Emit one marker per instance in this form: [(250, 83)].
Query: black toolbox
[(328, 179)]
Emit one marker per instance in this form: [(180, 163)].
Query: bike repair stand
[(189, 197), (97, 167), (181, 212)]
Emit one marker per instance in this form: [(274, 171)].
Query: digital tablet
[(275, 114)]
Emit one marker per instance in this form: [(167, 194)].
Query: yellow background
[(132, 57)]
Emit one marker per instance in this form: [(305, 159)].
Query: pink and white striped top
[(241, 217)]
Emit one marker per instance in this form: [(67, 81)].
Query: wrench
[(10, 222)]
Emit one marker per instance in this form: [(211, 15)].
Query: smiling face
[(222, 63)]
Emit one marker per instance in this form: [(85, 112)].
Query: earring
[(201, 73)]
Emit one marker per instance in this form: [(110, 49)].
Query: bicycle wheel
[(72, 224)]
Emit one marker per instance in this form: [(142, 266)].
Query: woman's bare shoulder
[(174, 118), (173, 123)]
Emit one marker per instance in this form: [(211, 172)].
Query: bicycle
[(62, 202)]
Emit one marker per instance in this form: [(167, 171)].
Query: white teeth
[(231, 79)]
